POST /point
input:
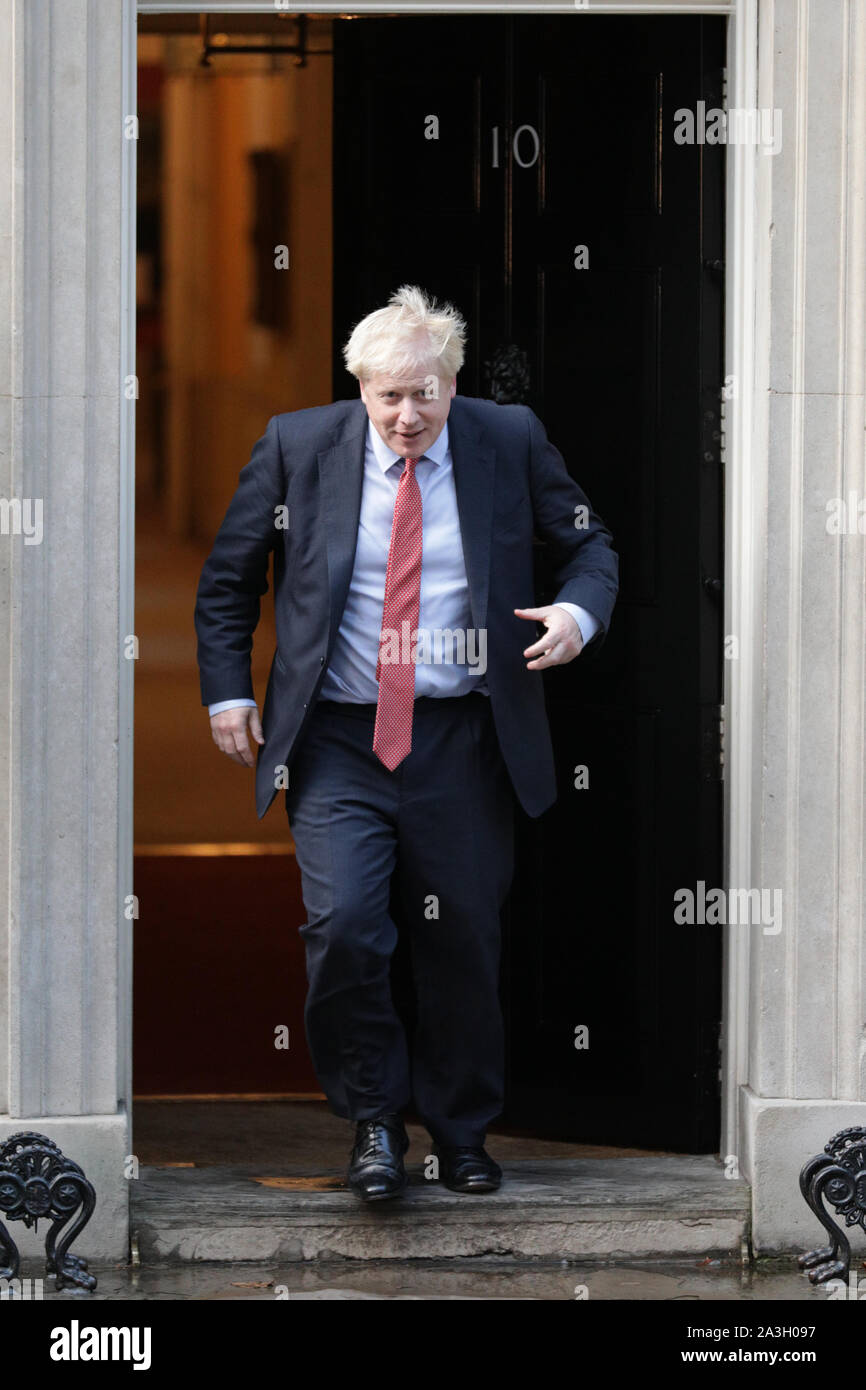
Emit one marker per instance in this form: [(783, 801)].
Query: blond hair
[(412, 333)]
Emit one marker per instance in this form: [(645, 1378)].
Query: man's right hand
[(229, 729)]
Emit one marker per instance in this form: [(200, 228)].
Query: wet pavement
[(709, 1280)]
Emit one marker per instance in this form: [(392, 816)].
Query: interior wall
[(211, 374), (226, 374)]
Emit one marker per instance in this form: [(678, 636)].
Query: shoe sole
[(474, 1187), (378, 1196)]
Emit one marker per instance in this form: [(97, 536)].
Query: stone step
[(613, 1208)]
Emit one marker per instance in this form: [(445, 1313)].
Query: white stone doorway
[(795, 1048)]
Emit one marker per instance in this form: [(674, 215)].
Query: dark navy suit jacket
[(510, 482)]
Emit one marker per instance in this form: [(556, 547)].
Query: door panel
[(556, 133)]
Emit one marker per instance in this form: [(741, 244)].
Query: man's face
[(408, 415)]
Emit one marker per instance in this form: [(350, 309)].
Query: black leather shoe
[(468, 1170), (376, 1166)]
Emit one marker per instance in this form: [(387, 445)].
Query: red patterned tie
[(392, 736)]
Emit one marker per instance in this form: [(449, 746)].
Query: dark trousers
[(443, 823)]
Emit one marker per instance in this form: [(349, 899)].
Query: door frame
[(745, 456)]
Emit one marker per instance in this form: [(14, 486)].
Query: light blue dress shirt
[(444, 607)]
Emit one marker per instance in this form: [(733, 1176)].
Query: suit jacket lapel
[(474, 462), (341, 476)]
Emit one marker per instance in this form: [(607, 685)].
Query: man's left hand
[(561, 643)]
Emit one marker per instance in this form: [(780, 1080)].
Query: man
[(404, 709)]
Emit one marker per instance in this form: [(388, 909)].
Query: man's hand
[(562, 642), (229, 729)]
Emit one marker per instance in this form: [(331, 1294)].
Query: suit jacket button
[(321, 661)]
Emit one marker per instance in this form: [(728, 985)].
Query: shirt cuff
[(587, 622), (230, 704)]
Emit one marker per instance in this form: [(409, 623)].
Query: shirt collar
[(386, 458)]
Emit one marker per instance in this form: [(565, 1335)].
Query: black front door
[(527, 169)]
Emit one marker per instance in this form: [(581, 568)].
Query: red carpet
[(218, 966)]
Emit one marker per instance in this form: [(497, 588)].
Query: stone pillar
[(797, 996), (65, 692)]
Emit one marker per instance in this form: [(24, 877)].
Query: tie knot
[(410, 465)]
